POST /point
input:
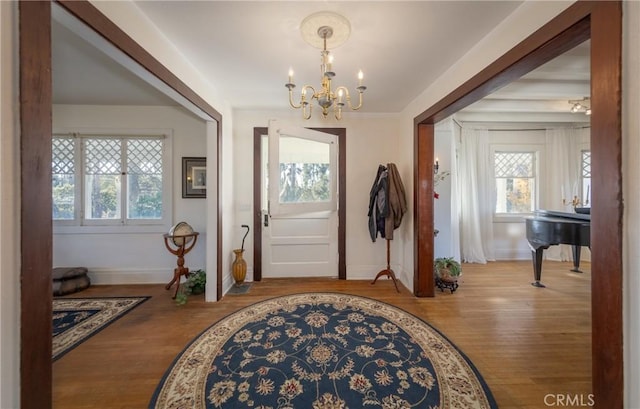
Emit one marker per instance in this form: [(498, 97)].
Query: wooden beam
[(601, 21), (606, 205), (423, 223), (36, 229)]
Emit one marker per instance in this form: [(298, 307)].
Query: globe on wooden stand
[(183, 238)]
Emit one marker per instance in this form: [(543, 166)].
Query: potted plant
[(194, 285), (447, 271)]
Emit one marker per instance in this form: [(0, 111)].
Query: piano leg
[(537, 266), (576, 259)]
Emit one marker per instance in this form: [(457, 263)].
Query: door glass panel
[(305, 172), (302, 170)]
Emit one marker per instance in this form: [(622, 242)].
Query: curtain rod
[(536, 129), (520, 129), (106, 136)]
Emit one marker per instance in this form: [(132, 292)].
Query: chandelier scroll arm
[(347, 97), (306, 109), (307, 89), (291, 86)]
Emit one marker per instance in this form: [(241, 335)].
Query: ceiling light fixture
[(583, 105), (317, 30)]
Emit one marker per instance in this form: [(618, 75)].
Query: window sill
[(129, 229)]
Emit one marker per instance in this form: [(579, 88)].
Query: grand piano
[(547, 228)]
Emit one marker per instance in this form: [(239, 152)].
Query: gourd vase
[(239, 267)]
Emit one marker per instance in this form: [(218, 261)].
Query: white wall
[(9, 210), (129, 18), (525, 20), (443, 206), (371, 140), (117, 258), (509, 233)]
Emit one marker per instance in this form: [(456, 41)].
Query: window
[(585, 176), (102, 180), (515, 174), (304, 171)]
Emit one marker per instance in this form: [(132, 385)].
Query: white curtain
[(563, 177), (477, 196)]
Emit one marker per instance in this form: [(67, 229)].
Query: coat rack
[(387, 271), (387, 205)]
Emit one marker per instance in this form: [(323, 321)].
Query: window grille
[(103, 157), (586, 164), (63, 178), (585, 173), (144, 157), (63, 156), (514, 164)]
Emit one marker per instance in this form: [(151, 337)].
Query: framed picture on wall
[(194, 177)]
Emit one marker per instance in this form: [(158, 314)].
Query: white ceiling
[(245, 50)]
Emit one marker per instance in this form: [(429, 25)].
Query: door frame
[(35, 84), (600, 21), (341, 133)]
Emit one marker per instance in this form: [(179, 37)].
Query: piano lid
[(567, 215)]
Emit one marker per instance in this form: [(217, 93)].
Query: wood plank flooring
[(529, 344)]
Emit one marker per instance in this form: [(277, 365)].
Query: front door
[(300, 218)]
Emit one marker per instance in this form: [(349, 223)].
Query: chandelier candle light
[(326, 25)]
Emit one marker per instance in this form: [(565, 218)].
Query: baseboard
[(160, 276), (369, 272), (130, 276), (512, 254)]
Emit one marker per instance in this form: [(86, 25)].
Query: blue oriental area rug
[(77, 319), (321, 351)]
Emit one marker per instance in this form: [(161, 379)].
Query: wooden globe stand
[(180, 252)]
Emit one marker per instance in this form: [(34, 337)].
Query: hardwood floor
[(528, 343)]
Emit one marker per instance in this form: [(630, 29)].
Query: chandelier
[(327, 26), (583, 105)]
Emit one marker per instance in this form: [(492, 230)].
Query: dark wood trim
[(219, 239), (601, 21), (257, 201), (605, 21), (341, 133), (35, 196), (342, 202), (555, 38), (423, 250), (36, 228), (92, 17), (606, 205)]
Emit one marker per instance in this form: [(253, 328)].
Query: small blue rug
[(77, 319), (321, 350)]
